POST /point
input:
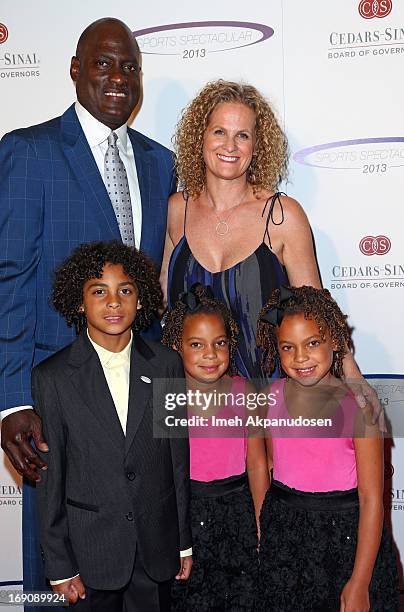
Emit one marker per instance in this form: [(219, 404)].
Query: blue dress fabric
[(244, 288)]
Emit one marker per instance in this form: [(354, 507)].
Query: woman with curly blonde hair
[(229, 227), (268, 164)]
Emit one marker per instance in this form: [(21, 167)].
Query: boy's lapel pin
[(145, 379)]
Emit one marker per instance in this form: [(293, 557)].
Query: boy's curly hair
[(316, 304), (269, 163), (205, 304), (87, 262)]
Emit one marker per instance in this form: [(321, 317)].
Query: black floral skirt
[(307, 553), (224, 575)]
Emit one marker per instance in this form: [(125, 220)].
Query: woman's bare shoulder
[(176, 211), (176, 202), (288, 203), (289, 213), (293, 206)]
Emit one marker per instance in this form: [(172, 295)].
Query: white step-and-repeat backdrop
[(334, 72)]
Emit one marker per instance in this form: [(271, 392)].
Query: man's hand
[(185, 568), (73, 589), (17, 429)]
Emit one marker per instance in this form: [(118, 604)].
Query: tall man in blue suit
[(54, 195)]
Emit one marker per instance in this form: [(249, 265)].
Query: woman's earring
[(139, 306)]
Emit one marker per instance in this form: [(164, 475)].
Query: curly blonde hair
[(269, 163)]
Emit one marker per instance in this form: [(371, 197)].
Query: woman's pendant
[(222, 228)]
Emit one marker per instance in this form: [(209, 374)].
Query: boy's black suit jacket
[(106, 495)]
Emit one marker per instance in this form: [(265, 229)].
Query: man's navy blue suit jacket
[(52, 199)]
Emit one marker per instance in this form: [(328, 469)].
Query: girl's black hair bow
[(192, 300), (275, 314)]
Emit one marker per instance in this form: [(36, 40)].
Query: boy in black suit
[(113, 504)]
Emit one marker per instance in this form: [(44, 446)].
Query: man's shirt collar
[(95, 131)]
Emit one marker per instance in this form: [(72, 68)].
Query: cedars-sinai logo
[(3, 33), (375, 245), (369, 9), (196, 39)]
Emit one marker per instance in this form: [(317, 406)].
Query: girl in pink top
[(323, 546), (225, 465)]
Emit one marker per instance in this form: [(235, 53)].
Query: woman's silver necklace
[(222, 226)]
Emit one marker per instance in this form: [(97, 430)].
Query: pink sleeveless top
[(213, 457), (318, 463)]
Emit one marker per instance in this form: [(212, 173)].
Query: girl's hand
[(355, 597)]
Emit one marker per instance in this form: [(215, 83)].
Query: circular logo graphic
[(368, 9), (3, 33), (388, 471), (375, 245)]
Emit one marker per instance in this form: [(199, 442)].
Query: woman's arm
[(297, 245), (301, 267), (175, 224), (363, 392), (369, 463), (168, 249)]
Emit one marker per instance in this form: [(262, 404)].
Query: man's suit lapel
[(88, 378), (148, 177), (140, 389), (82, 163)]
